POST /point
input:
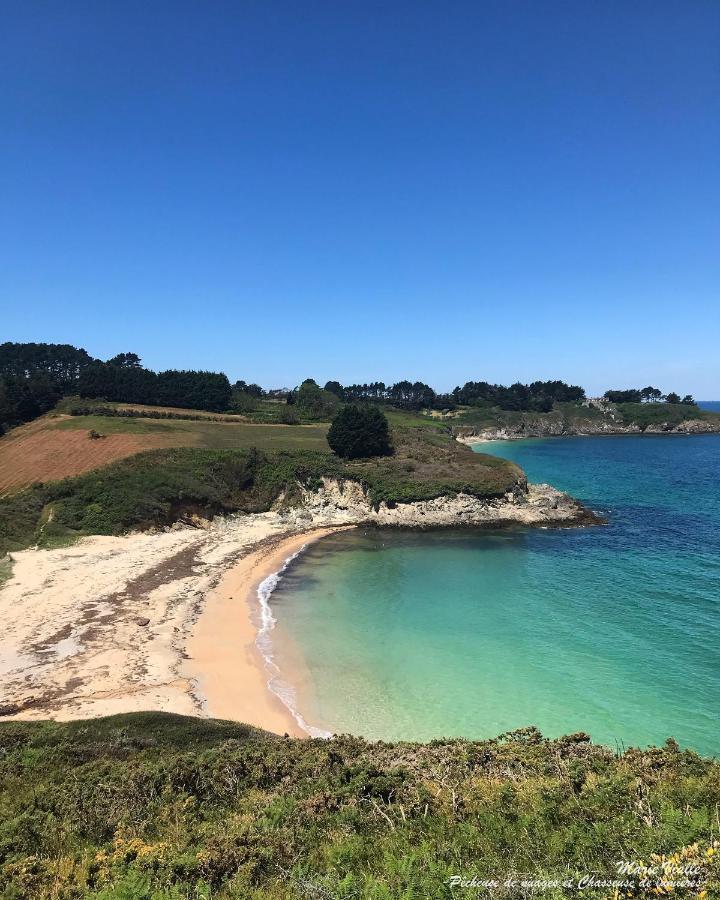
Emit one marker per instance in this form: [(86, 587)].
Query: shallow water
[(610, 630)]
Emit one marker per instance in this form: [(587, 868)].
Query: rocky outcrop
[(561, 428), (346, 502), (691, 426)]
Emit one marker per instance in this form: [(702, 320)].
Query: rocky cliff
[(346, 502)]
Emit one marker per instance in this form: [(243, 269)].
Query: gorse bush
[(150, 805), (360, 431)]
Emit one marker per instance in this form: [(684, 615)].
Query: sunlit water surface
[(611, 630)]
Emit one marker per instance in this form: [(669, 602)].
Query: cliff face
[(346, 502), (540, 427)]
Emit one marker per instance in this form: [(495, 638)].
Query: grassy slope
[(152, 805), (158, 487), (212, 435)]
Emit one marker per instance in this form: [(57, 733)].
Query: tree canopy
[(314, 402), (646, 395), (359, 431), (538, 396)]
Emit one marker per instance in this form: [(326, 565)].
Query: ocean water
[(612, 630)]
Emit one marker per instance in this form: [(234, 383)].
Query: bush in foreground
[(359, 431), (150, 805)]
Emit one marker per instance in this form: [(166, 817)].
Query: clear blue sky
[(367, 190)]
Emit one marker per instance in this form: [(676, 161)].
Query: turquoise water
[(611, 630)]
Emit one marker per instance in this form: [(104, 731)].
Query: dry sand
[(146, 622)]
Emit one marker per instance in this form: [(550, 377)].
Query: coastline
[(150, 620), (229, 672), (470, 435)]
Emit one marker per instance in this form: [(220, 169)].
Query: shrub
[(359, 431), (315, 403)]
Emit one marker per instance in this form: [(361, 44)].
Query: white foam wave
[(282, 690)]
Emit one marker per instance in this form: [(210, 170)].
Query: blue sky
[(361, 190)]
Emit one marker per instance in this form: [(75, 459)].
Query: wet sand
[(224, 662)]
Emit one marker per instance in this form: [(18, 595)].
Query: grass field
[(210, 435), (56, 446)]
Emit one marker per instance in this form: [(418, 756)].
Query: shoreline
[(488, 437), (230, 673), (162, 620), (109, 625)]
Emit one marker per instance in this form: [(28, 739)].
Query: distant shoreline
[(468, 435)]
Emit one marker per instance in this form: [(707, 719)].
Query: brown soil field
[(58, 446), (35, 452)]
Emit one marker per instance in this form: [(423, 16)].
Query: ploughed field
[(59, 446)]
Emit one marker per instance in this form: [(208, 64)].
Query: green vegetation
[(648, 394), (574, 417), (644, 414), (154, 488), (158, 487), (407, 419), (150, 805), (5, 569), (34, 377), (537, 397), (313, 403), (140, 412), (123, 378), (208, 434), (359, 432), (427, 463)]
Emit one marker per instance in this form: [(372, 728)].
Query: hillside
[(59, 445), (157, 488), (158, 806)]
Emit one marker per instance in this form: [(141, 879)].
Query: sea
[(611, 630)]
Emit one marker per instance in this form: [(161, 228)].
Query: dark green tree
[(672, 397), (125, 361), (254, 390), (334, 387), (359, 431)]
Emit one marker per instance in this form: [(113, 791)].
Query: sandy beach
[(225, 664), (148, 621)]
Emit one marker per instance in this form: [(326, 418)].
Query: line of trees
[(647, 394), (61, 363), (34, 376), (405, 394), (538, 396), (124, 379)]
